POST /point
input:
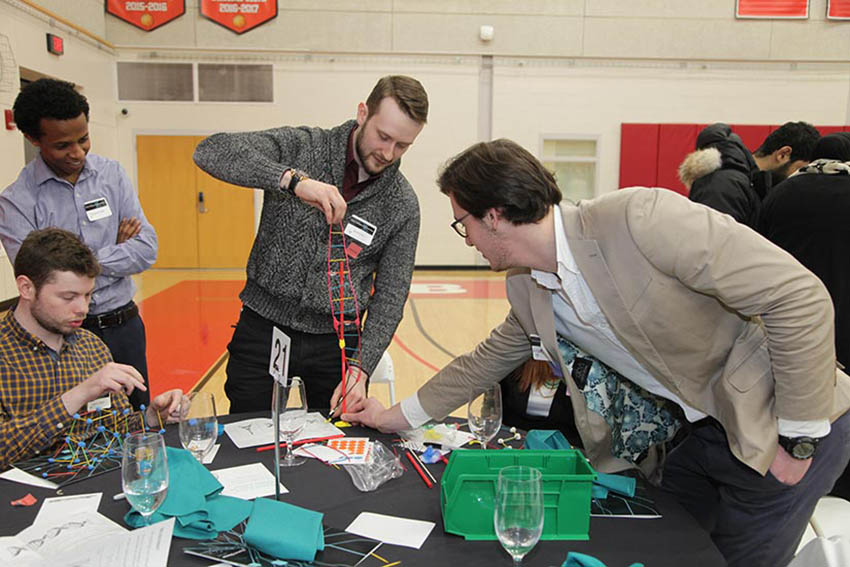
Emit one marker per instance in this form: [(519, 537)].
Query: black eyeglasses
[(459, 228)]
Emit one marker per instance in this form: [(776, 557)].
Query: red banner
[(146, 15), (838, 10), (239, 15), (774, 9)]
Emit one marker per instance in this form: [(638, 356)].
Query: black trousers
[(755, 521), (128, 345), (315, 358)]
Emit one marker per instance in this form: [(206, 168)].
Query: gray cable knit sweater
[(287, 280)]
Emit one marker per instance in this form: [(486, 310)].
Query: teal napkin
[(552, 439), (193, 499), (581, 560), (285, 531)]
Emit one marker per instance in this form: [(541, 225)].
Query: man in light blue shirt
[(91, 196)]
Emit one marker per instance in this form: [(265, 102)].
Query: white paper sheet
[(439, 434), (70, 537), (247, 481), (17, 475), (391, 529), (54, 510), (208, 458), (142, 547), (15, 553), (260, 431)]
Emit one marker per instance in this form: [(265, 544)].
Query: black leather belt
[(114, 318)]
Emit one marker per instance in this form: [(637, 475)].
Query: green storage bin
[(468, 491)]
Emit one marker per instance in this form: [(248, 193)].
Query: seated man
[(662, 316), (50, 368)]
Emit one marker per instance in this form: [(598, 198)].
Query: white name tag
[(97, 209), (361, 230), (279, 358), (537, 350), (99, 404)]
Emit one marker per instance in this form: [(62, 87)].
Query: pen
[(119, 496), (416, 466), (299, 442)]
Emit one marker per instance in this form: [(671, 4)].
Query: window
[(573, 161)]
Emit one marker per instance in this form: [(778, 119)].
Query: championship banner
[(146, 15), (838, 9), (239, 15), (772, 9)]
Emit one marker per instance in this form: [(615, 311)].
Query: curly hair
[(47, 98)]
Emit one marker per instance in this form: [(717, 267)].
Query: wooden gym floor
[(188, 315)]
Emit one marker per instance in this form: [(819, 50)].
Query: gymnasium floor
[(189, 313)]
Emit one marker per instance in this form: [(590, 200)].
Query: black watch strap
[(799, 447), (295, 177)]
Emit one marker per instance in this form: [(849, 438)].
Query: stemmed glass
[(293, 415), (144, 472), (518, 516), (198, 423), (484, 413)]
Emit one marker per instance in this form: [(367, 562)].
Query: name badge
[(99, 404), (361, 230), (537, 350), (97, 209)]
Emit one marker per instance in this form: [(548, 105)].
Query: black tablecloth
[(673, 540)]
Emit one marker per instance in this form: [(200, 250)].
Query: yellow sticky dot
[(342, 423)]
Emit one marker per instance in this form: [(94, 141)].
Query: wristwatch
[(799, 447), (296, 176)]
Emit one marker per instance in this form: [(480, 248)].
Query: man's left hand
[(128, 228), (788, 470), (167, 406)]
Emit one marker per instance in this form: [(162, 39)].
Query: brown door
[(200, 222)]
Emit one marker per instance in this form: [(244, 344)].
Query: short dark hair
[(47, 98), (408, 93), (54, 250), (801, 136), (503, 175)]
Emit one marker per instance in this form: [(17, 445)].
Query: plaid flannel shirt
[(33, 378)]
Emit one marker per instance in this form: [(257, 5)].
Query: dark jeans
[(127, 344), (755, 521), (315, 358)]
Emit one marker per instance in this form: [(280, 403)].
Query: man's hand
[(355, 382), (788, 470), (165, 408), (324, 197), (113, 377), (375, 416), (128, 228)]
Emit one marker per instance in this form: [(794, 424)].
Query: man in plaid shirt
[(51, 368)]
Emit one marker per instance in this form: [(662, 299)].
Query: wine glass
[(484, 414), (293, 415), (518, 516), (198, 423), (144, 472)]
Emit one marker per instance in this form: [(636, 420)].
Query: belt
[(114, 318)]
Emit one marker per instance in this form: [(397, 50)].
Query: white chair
[(823, 552), (385, 374), (832, 517)]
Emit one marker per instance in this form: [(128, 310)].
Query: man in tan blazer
[(680, 300)]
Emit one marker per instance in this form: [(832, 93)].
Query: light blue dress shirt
[(39, 199)]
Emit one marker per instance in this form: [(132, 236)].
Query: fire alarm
[(55, 44), (10, 119)]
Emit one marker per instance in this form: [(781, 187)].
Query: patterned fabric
[(637, 418), (33, 378), (826, 166)]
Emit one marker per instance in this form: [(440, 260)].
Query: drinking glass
[(293, 416), (518, 516), (484, 414), (144, 472), (198, 423)]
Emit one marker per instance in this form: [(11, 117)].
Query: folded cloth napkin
[(552, 439), (193, 499), (285, 531), (581, 560)]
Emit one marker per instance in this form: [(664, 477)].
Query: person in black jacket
[(724, 175), (807, 215)]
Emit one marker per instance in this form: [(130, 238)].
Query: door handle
[(202, 208)]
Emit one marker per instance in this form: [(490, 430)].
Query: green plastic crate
[(468, 490)]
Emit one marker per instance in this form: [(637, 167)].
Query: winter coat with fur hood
[(723, 175)]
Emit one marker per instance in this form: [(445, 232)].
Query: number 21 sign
[(279, 359)]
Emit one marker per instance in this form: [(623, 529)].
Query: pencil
[(416, 466), (424, 468)]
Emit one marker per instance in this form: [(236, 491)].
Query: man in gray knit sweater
[(350, 174)]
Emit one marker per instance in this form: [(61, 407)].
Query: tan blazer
[(732, 324)]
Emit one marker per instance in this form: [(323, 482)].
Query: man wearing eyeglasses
[(672, 326)]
